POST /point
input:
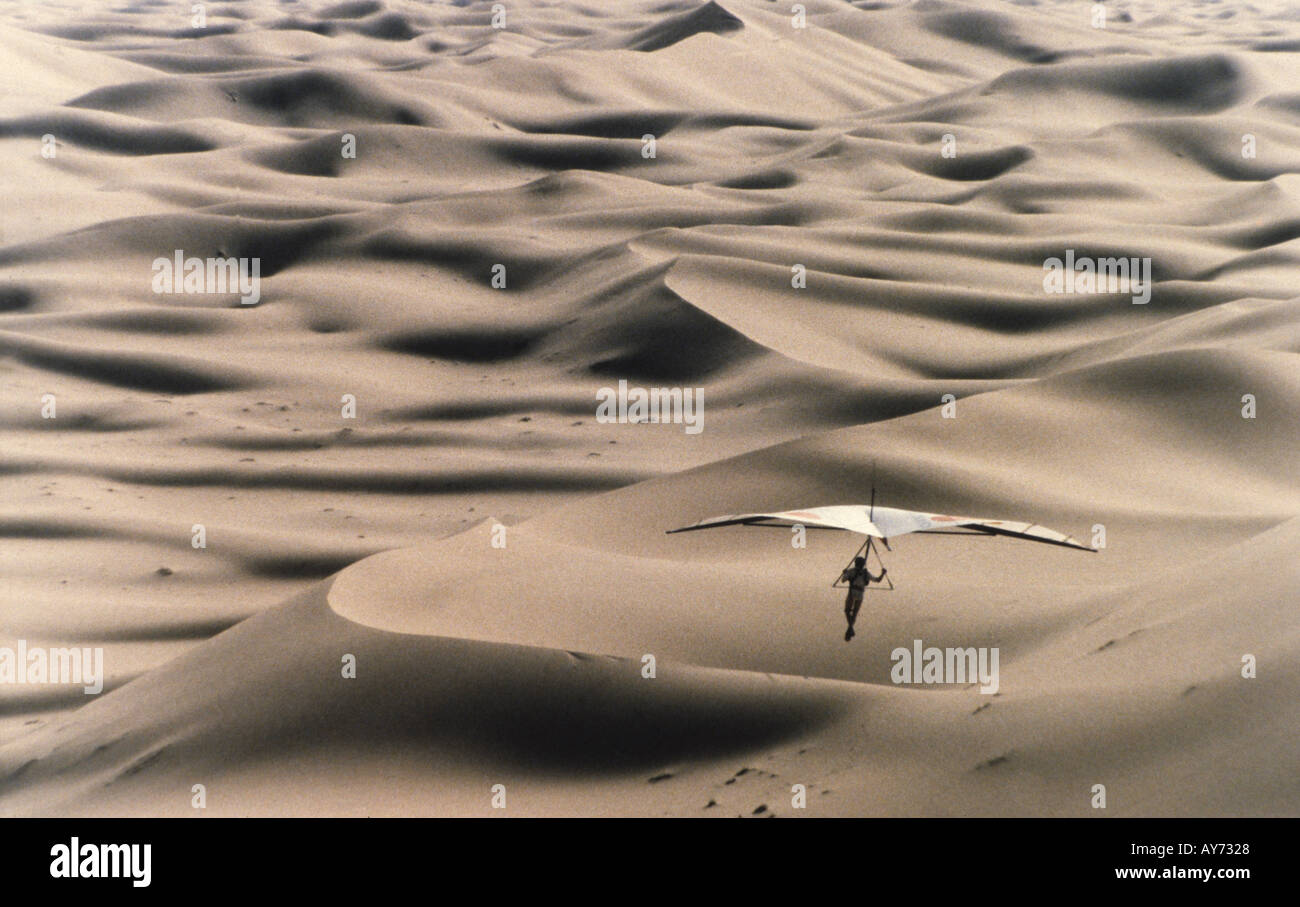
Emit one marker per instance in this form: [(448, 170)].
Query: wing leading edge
[(888, 522)]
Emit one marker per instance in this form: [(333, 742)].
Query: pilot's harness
[(869, 545)]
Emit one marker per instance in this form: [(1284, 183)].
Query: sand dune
[(798, 244)]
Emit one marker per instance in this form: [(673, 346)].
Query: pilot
[(857, 577)]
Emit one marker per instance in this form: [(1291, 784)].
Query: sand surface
[(521, 664)]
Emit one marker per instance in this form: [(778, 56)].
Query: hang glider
[(888, 522)]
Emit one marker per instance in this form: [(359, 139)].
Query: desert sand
[(912, 165)]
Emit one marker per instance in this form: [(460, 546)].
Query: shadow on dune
[(117, 135), (140, 371), (1203, 84), (707, 18), (542, 711)]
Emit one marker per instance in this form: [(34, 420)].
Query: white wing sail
[(888, 522)]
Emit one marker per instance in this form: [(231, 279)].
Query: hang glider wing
[(888, 522)]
